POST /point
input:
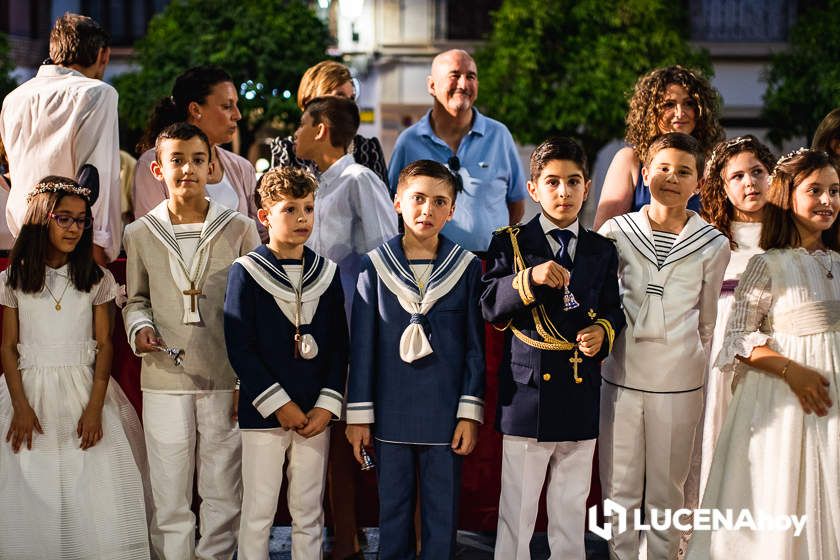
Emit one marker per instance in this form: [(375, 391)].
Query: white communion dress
[(56, 500), (771, 458), (719, 383)]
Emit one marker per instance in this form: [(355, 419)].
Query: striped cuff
[(270, 400), (608, 328), (330, 400), (134, 323), (471, 408), (522, 284), (360, 413)]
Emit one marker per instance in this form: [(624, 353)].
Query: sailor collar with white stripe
[(696, 234), (160, 224), (314, 268), (448, 259)]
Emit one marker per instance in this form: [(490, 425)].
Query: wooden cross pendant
[(193, 293), (575, 360)]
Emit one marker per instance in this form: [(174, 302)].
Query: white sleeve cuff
[(102, 237), (471, 408), (270, 400), (360, 413), (134, 322), (330, 400)]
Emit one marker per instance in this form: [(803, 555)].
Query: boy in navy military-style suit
[(417, 366), (549, 380), (287, 340)]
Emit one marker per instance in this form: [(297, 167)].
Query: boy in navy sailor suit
[(287, 340), (549, 379), (417, 366)]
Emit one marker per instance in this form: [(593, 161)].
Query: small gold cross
[(575, 360), (193, 293)]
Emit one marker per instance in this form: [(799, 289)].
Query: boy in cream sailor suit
[(286, 337), (176, 273), (671, 266), (549, 378), (417, 366)]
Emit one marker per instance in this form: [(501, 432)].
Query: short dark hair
[(778, 228), (677, 141), (77, 39), (338, 113), (284, 182), (428, 168), (557, 148), (181, 131)]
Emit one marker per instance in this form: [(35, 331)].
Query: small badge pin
[(592, 314)]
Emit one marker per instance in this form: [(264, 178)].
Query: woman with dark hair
[(329, 78), (204, 96), (672, 99), (827, 136)]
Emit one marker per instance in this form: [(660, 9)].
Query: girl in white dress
[(778, 453), (732, 196), (72, 455)]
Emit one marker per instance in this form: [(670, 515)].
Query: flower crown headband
[(71, 188), (786, 158), (723, 147)]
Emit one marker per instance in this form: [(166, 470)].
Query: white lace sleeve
[(7, 295), (106, 290), (753, 298)]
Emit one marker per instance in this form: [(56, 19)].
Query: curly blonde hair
[(716, 208), (284, 183), (646, 107)]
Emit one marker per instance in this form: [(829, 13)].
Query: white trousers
[(524, 465), (187, 434), (263, 455), (646, 440)]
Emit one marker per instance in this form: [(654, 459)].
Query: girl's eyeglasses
[(64, 221)]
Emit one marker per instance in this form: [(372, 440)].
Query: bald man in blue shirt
[(478, 149)]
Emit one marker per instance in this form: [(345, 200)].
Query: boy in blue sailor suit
[(417, 366), (554, 286), (287, 340)]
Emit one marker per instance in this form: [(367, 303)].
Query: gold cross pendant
[(575, 360), (193, 293)]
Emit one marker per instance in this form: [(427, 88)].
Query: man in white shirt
[(63, 118)]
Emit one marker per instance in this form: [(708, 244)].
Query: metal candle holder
[(177, 354)]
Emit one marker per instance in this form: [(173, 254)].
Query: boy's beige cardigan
[(153, 297)]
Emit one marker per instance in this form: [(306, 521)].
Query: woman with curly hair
[(672, 99), (732, 195)]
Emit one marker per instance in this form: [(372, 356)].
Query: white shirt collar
[(548, 226)]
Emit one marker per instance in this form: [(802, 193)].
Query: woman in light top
[(672, 99), (329, 78), (204, 96)]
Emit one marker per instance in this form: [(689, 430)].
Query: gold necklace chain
[(422, 277), (57, 301)]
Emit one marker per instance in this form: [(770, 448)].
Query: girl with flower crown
[(72, 454), (778, 453)]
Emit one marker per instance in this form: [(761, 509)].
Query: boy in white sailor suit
[(417, 366), (287, 339), (671, 266), (554, 287), (176, 273)]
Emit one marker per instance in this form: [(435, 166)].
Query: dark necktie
[(563, 236)]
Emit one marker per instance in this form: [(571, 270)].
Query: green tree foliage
[(7, 82), (266, 45), (803, 83), (568, 66)]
